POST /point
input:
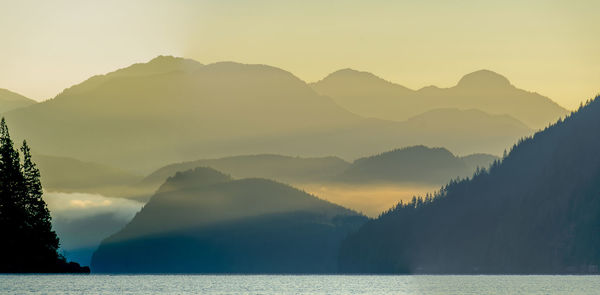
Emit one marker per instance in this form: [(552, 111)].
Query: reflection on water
[(236, 284)]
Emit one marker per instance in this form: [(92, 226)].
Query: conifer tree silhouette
[(28, 242)]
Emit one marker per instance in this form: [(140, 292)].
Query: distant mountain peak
[(485, 78), (10, 100), (162, 58), (166, 60), (349, 73), (8, 95), (350, 82)]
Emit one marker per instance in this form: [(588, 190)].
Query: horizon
[(50, 48), (303, 80)]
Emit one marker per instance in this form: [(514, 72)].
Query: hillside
[(10, 101), (157, 66), (172, 109), (370, 185), (370, 96), (538, 211), (276, 167), (413, 165), (63, 174), (202, 221)]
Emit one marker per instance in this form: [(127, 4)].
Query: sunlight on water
[(239, 284)]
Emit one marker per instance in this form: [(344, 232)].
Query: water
[(240, 284)]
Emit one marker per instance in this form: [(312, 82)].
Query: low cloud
[(83, 220)]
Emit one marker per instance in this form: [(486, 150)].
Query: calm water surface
[(234, 284)]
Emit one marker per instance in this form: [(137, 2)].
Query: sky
[(550, 47)]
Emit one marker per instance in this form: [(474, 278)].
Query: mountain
[(63, 174), (370, 96), (481, 161), (172, 110), (159, 65), (10, 101), (276, 167), (536, 211), (202, 221), (370, 185), (415, 165)]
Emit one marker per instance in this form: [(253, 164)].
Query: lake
[(294, 284)]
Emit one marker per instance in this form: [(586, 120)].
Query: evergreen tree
[(28, 243), (13, 214), (43, 240)]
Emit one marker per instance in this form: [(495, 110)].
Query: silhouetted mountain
[(202, 221), (538, 211), (10, 101), (370, 96), (415, 165), (172, 109)]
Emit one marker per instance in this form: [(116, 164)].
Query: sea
[(297, 284)]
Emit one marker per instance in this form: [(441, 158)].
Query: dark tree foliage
[(535, 211), (28, 243)]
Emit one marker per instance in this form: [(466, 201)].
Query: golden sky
[(550, 47)]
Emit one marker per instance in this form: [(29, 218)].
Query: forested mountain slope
[(538, 211)]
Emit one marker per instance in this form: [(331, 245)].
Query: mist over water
[(83, 220)]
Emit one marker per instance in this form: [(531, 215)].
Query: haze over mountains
[(277, 167), (102, 135), (202, 221), (417, 164), (368, 185), (368, 95), (537, 211), (413, 165), (173, 109), (10, 101), (62, 174)]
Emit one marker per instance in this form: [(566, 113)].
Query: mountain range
[(370, 96), (173, 109)]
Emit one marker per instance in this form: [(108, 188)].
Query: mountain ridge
[(126, 119), (536, 211), (11, 100), (483, 89), (202, 221)]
